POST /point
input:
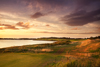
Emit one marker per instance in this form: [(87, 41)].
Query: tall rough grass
[(85, 63)]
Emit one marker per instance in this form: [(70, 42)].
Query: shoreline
[(18, 43)]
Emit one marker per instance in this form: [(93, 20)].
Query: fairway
[(27, 59)]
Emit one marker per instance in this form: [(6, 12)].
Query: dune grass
[(84, 62)]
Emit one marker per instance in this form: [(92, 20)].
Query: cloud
[(7, 26), (24, 25), (59, 5), (82, 17), (45, 32), (14, 27), (91, 32), (98, 30), (81, 4), (39, 14), (48, 25), (47, 4), (1, 28), (11, 27), (75, 28)]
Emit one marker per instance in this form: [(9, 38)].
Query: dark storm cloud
[(80, 4), (80, 18), (10, 2), (84, 13), (39, 14)]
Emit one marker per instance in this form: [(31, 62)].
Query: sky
[(49, 18)]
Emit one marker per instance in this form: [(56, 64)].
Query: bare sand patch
[(47, 50)]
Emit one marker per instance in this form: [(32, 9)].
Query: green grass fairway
[(28, 59)]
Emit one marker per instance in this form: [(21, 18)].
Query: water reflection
[(9, 43)]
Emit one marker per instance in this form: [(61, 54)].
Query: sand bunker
[(47, 50)]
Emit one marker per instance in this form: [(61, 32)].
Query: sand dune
[(89, 45)]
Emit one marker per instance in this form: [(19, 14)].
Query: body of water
[(10, 43)]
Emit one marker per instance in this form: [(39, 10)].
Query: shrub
[(95, 56)]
